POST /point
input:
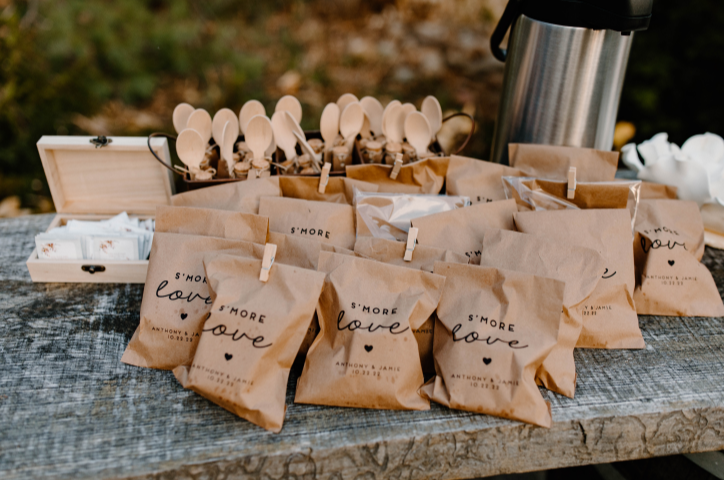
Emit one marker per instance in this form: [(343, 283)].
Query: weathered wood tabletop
[(70, 409)]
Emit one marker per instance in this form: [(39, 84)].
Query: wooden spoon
[(190, 147), (373, 109), (385, 113), (345, 99), (181, 116), (259, 135), (417, 132), (283, 135), (219, 123), (200, 120), (433, 112), (350, 122), (290, 104), (329, 125), (394, 129), (228, 139), (250, 109), (301, 138)]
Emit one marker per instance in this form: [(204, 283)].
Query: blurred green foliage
[(673, 82)]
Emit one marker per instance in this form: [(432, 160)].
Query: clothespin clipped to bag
[(411, 242), (571, 183), (324, 177), (270, 251), (396, 168)]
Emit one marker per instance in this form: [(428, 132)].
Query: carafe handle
[(511, 13)]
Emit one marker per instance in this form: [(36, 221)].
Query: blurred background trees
[(119, 67)]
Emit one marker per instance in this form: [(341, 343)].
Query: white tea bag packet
[(115, 247), (59, 248)]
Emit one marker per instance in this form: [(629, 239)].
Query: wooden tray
[(90, 183)]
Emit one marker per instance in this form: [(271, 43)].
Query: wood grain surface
[(70, 409)]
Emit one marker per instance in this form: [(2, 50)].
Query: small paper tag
[(270, 251), (411, 242), (396, 167), (324, 177)]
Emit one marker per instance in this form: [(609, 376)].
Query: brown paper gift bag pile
[(212, 223), (479, 180), (425, 176), (668, 244), (176, 298), (235, 196), (251, 337), (462, 230), (338, 190), (552, 162), (494, 329), (609, 315), (366, 355), (423, 258), (578, 267), (326, 222)]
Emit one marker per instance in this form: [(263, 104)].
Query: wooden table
[(70, 409)]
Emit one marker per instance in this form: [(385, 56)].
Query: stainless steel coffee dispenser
[(564, 70)]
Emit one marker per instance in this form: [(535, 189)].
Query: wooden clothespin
[(571, 183), (396, 168), (270, 251), (324, 177), (411, 241)]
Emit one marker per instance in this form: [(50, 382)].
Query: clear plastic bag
[(388, 215)]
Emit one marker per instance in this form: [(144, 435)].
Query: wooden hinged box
[(89, 183)]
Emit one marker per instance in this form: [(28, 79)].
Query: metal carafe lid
[(619, 15)]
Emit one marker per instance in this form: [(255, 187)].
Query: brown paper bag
[(212, 223), (668, 244), (366, 355), (552, 162), (176, 298), (480, 180), (580, 268), (494, 329), (654, 191), (330, 223), (338, 190), (425, 176), (251, 337), (462, 230), (242, 196), (609, 315), (423, 258)]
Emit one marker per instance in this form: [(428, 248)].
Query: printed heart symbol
[(671, 262), (487, 361), (184, 315), (228, 356), (368, 348)]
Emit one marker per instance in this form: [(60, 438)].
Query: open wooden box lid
[(120, 176)]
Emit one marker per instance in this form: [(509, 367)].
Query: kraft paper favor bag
[(494, 329), (462, 230), (654, 191), (327, 222), (578, 267), (242, 196), (212, 223), (176, 298), (552, 162), (251, 337), (365, 355), (423, 258), (338, 190), (480, 180), (668, 244), (425, 176), (609, 315)]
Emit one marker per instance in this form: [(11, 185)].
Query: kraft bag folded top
[(365, 355), (479, 180), (425, 176), (668, 247), (580, 268), (609, 314), (240, 196), (338, 189), (251, 336), (552, 162), (212, 223), (494, 329)]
